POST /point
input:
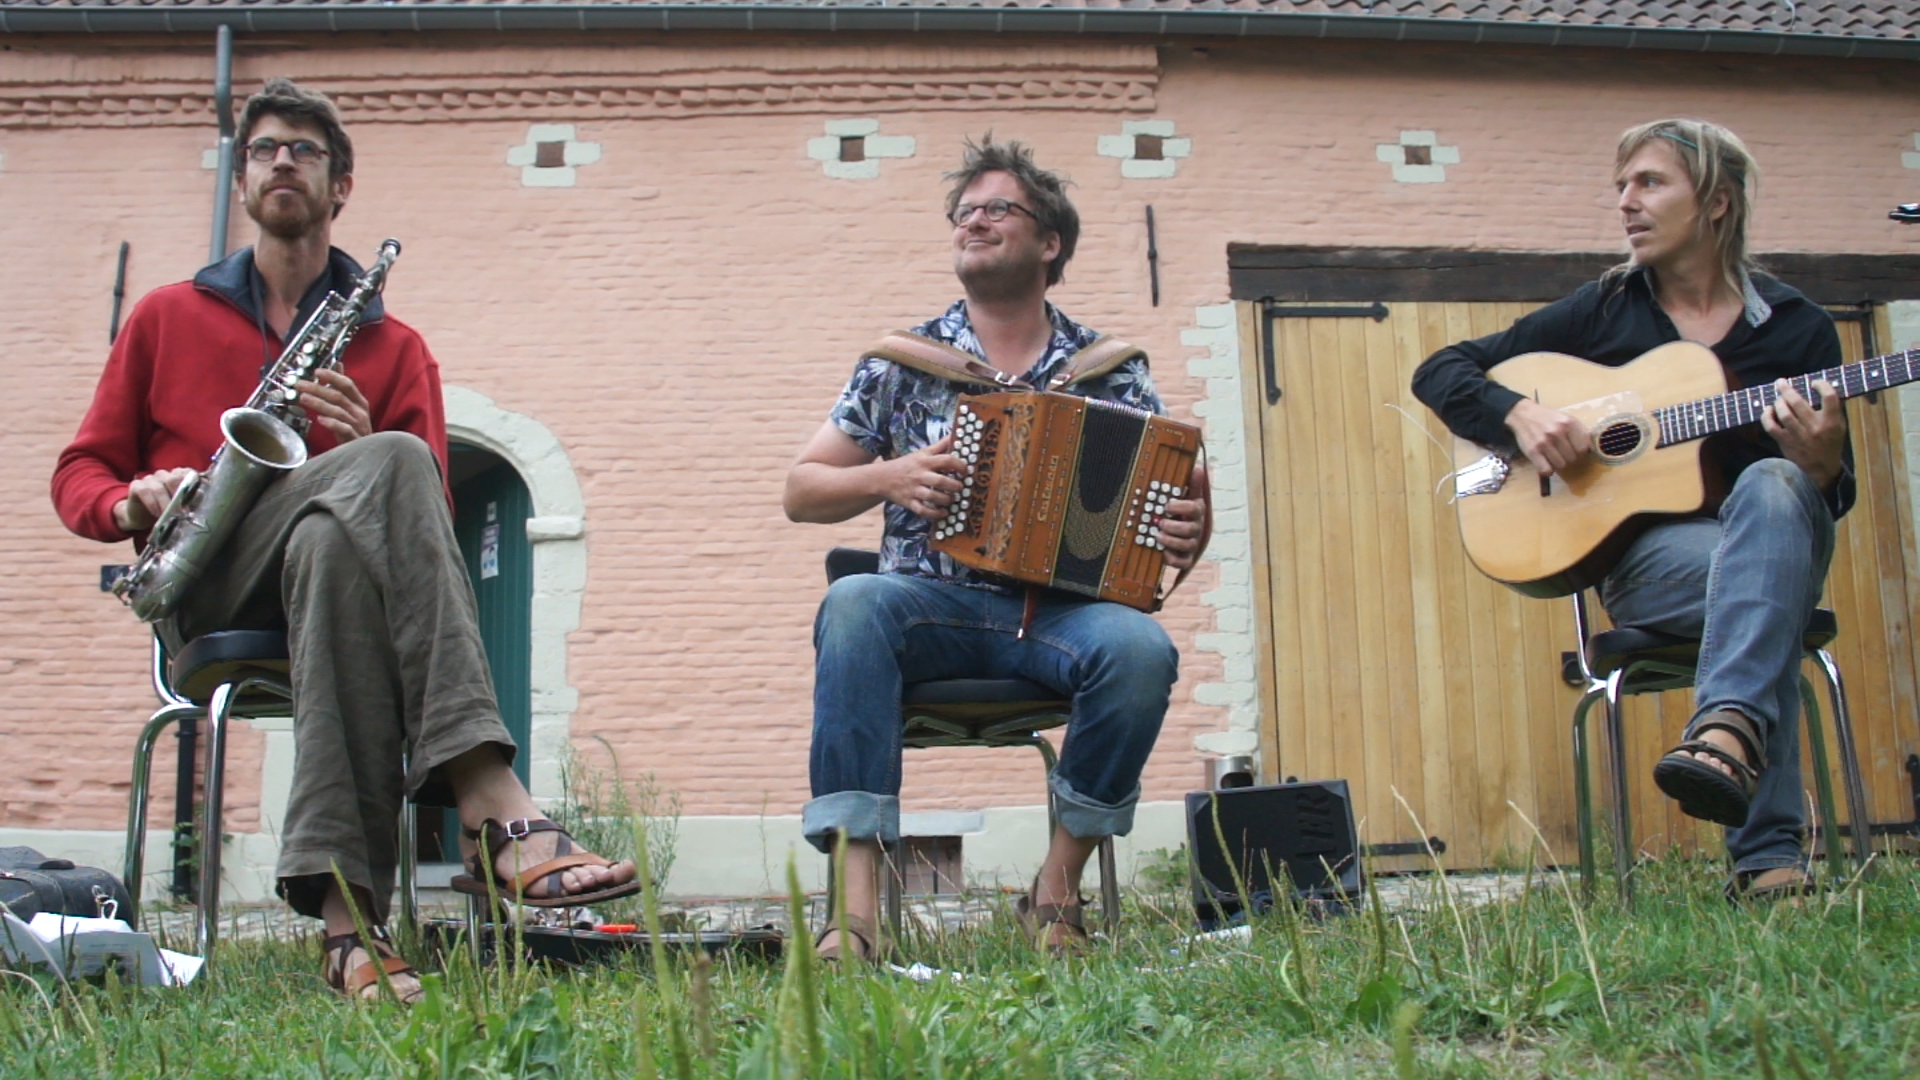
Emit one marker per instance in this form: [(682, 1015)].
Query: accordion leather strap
[(1202, 490), (938, 358)]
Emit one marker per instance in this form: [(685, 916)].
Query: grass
[(1683, 986)]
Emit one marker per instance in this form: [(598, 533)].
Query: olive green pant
[(353, 553)]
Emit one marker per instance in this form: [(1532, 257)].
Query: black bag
[(31, 883)]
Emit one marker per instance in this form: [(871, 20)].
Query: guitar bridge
[(1484, 477)]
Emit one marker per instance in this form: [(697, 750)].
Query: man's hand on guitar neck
[(1551, 439), (1810, 438)]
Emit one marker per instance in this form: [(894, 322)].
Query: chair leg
[(1622, 813), (894, 879), (1857, 813), (1583, 790), (1052, 759), (409, 866), (1109, 888), (134, 866), (218, 711), (1822, 780)]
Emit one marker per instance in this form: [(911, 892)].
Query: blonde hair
[(1716, 161)]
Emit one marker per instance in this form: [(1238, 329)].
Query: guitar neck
[(1710, 415)]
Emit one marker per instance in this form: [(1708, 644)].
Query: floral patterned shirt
[(892, 411)]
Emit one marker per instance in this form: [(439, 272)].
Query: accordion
[(1066, 492)]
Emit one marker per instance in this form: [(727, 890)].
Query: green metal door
[(490, 511)]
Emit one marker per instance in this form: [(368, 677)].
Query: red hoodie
[(193, 350)]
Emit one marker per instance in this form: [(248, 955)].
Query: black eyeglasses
[(305, 151), (995, 209)]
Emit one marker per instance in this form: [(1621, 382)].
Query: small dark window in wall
[(549, 155), (1147, 148), (853, 148), (1419, 155)]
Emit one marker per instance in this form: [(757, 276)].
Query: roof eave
[(340, 18)]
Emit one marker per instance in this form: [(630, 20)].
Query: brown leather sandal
[(492, 837), (353, 984), (1060, 929), (1787, 889), (866, 949), (1703, 791)]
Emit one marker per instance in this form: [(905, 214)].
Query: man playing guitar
[(1744, 577)]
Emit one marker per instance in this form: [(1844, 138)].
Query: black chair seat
[(980, 692), (225, 656), (846, 561), (979, 708), (1611, 650)]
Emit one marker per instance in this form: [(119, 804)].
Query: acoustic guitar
[(1553, 536)]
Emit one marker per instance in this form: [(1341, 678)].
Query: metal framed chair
[(1613, 664), (979, 712), (217, 677)]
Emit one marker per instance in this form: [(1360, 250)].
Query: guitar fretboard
[(1707, 416)]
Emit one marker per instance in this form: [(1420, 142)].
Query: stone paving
[(174, 926)]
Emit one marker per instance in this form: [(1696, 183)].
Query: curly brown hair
[(1046, 191), (288, 100)]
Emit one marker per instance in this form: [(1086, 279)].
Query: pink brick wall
[(682, 318)]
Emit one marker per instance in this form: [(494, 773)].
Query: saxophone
[(262, 439)]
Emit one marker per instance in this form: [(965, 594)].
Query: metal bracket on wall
[(119, 293), (1153, 257), (1407, 847), (1271, 309)]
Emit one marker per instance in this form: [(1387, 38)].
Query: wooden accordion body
[(1065, 492)]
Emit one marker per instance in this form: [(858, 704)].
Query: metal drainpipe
[(187, 736), (223, 170)]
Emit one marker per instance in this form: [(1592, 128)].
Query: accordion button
[(1176, 492)]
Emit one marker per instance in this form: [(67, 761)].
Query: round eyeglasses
[(305, 151), (995, 209)]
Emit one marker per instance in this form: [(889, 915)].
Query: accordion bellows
[(1066, 492)]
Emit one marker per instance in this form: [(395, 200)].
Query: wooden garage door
[(1390, 662)]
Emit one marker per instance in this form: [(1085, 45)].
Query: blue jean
[(876, 633), (1743, 584)]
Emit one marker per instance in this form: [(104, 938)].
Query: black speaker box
[(1298, 837)]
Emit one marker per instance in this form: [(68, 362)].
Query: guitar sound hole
[(1618, 440)]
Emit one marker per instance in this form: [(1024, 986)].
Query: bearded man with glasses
[(353, 553), (888, 440)]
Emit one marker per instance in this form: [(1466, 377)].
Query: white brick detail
[(1403, 157), (573, 154), (1233, 638), (1911, 159), (825, 149), (559, 564), (1126, 147), (210, 157)]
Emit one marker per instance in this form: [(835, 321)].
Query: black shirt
[(1612, 322)]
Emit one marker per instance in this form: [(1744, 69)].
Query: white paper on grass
[(77, 947)]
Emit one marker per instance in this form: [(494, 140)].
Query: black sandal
[(353, 984), (492, 837), (1703, 791)]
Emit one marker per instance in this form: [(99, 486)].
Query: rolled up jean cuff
[(862, 814), (1088, 820)]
